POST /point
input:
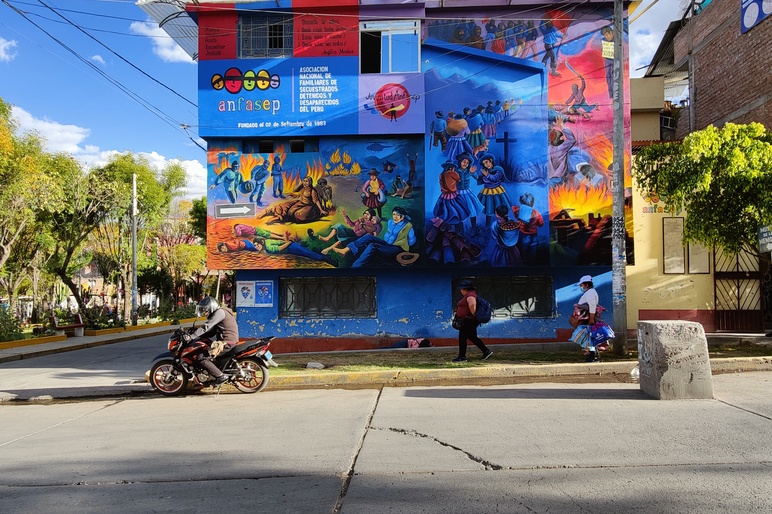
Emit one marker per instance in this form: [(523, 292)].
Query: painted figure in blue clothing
[(437, 131), (465, 193), (509, 39), (277, 175), (449, 206), (398, 239), (498, 111), (529, 46), (259, 177), (457, 130), (231, 179), (474, 121), (551, 38), (505, 233), (519, 35), (489, 122), (493, 193)]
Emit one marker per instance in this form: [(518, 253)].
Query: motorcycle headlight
[(173, 344)]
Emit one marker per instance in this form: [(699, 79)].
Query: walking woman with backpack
[(466, 323)]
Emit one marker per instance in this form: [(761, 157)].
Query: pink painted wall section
[(704, 317)]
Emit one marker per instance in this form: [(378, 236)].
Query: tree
[(173, 238), (154, 196), (721, 178), (26, 184), (198, 218), (85, 203)]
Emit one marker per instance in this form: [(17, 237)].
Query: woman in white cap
[(588, 303)]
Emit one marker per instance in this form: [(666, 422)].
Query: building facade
[(716, 59), (364, 157)]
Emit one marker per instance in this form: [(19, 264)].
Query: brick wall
[(732, 71)]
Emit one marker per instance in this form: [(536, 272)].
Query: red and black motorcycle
[(246, 364)]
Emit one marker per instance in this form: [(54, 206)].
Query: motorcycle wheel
[(257, 376), (168, 379)]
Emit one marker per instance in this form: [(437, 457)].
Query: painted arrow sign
[(239, 210)]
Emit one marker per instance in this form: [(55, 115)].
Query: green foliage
[(167, 311), (10, 329), (721, 178), (198, 218), (96, 318)]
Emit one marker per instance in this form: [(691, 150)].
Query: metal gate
[(738, 292)]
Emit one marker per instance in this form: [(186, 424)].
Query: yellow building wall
[(652, 294)]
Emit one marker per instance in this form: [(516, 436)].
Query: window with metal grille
[(514, 297), (265, 35), (327, 297)]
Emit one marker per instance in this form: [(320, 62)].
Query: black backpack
[(484, 310)]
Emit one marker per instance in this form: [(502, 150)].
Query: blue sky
[(117, 83)]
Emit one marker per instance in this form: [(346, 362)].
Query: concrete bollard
[(673, 360)]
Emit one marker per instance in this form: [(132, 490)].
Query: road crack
[(488, 465)]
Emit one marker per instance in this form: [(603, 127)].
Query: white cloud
[(647, 30), (195, 172), (70, 139), (98, 58), (6, 49), (163, 45), (58, 137)]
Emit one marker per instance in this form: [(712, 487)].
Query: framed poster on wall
[(263, 293), (699, 258), (673, 251)]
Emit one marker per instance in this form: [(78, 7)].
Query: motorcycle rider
[(220, 325)]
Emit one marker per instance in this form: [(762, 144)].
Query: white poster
[(245, 294)]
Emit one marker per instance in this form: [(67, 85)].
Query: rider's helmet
[(206, 306)]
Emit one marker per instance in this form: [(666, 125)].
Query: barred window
[(514, 297), (265, 35), (327, 297)]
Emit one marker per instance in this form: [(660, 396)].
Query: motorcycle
[(246, 364)]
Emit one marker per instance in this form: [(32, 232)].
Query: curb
[(8, 355), (493, 374)]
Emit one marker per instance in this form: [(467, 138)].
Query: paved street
[(546, 447)]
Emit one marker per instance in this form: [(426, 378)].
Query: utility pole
[(133, 249), (618, 249)]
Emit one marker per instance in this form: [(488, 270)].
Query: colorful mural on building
[(551, 142), (497, 154), (349, 203)]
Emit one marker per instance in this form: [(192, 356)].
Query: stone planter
[(129, 328), (31, 341)]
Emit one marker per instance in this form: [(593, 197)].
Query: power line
[(117, 54), (147, 105)]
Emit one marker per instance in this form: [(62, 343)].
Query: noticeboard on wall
[(254, 293), (699, 258), (673, 251)]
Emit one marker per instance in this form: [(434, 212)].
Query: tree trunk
[(127, 288)]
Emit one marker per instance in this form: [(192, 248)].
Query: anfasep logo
[(392, 100), (233, 80)]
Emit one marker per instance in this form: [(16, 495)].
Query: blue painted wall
[(426, 314)]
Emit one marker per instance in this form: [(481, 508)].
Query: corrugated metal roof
[(172, 18)]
